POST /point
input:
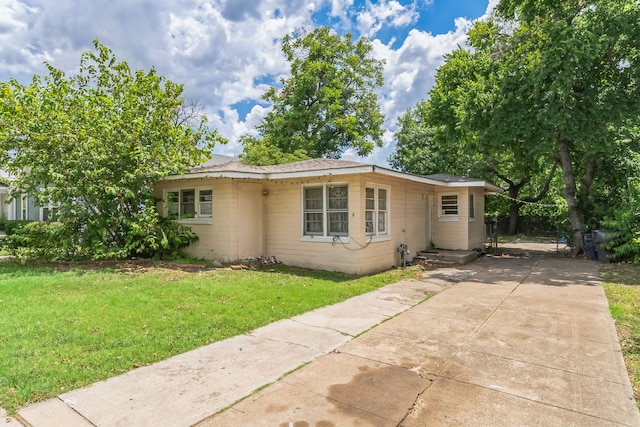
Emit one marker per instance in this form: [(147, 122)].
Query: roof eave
[(350, 170), (215, 174)]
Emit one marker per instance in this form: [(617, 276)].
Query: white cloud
[(410, 73), (385, 13), (224, 51)]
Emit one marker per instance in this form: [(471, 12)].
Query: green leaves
[(93, 144), (326, 106)]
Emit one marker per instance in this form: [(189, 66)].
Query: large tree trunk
[(570, 191)]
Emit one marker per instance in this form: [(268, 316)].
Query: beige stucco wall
[(218, 235), (461, 233), (476, 226), (359, 254), (260, 217)]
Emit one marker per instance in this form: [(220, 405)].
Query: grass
[(66, 328), (622, 287)]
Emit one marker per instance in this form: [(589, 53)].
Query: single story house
[(323, 213), (23, 207)]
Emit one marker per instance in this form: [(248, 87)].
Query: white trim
[(197, 218), (448, 217), (325, 236), (349, 170), (324, 239), (377, 236)]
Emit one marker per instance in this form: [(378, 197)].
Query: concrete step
[(447, 257)]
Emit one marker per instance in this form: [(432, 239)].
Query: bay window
[(376, 215)]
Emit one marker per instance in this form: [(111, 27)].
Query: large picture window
[(326, 210), (189, 203), (376, 215)]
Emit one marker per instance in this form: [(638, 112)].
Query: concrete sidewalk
[(504, 342)]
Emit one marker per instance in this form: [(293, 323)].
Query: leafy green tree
[(93, 144), (327, 105), (568, 77), (448, 132), (545, 82)]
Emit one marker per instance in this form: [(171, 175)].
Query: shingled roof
[(231, 167)]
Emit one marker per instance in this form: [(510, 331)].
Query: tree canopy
[(93, 144), (326, 106), (549, 82)]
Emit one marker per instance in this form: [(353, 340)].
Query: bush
[(165, 239), (9, 226), (38, 240), (626, 244), (52, 241)]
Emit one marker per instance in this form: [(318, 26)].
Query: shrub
[(626, 244), (9, 226), (56, 240), (38, 240)]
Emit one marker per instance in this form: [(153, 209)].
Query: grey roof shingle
[(301, 166), (232, 165), (443, 177)]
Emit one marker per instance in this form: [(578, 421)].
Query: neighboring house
[(23, 207), (323, 213), (4, 194), (4, 197)]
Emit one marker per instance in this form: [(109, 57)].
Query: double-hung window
[(376, 215), (326, 210), (189, 203)]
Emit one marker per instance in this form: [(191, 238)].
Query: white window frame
[(325, 235), (376, 210), (198, 204), (446, 212)]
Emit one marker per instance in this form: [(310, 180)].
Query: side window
[(376, 215), (205, 198), (370, 209), (173, 203), (472, 206), (382, 211)]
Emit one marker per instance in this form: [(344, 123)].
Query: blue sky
[(226, 52)]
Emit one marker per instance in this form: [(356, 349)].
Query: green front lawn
[(622, 287), (67, 328)]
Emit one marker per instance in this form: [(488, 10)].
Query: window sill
[(376, 239), (449, 218), (325, 239), (195, 221)]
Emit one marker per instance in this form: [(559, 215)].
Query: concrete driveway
[(506, 341), (525, 341)]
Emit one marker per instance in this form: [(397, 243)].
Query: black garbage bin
[(588, 245), (600, 239)]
